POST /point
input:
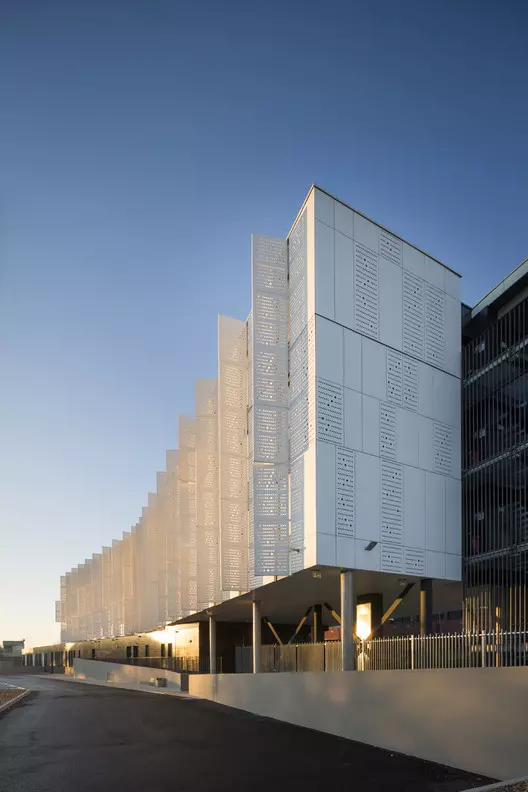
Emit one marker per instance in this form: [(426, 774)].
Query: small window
[(163, 650), (147, 650), (93, 654), (136, 651), (129, 651), (169, 649)]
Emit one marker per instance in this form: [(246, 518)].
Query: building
[(495, 396), (10, 649), (329, 441)]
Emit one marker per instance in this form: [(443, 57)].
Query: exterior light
[(363, 620), (316, 574)]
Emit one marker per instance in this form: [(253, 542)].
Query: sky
[(141, 143)]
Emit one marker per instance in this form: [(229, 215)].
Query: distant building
[(11, 649)]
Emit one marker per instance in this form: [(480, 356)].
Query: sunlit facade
[(329, 437)]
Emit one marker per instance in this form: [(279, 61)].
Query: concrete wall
[(97, 671), (473, 719)]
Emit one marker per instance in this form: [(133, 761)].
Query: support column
[(426, 606), (317, 626), (256, 636), (212, 645), (347, 621)]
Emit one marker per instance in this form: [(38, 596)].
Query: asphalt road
[(69, 737)]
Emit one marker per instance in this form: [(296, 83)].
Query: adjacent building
[(495, 443)]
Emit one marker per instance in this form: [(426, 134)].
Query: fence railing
[(190, 665), (407, 652)]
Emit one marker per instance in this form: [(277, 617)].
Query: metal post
[(256, 636), (483, 649), (347, 621), (426, 606), (212, 645), (412, 652), (317, 626)]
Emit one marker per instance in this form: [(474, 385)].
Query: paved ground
[(66, 736)]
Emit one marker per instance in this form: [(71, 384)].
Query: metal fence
[(407, 652), (190, 665)]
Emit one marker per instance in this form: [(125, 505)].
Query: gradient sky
[(141, 142)]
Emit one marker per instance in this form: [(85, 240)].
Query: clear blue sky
[(141, 142)]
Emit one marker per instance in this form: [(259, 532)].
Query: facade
[(495, 516), (330, 437)]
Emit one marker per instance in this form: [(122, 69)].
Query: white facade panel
[(374, 369), (329, 350), (371, 425), (324, 270), (368, 497), (352, 360), (326, 488), (343, 220), (414, 507), (353, 420), (390, 304), (344, 280)]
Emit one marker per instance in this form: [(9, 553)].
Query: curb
[(134, 687), (498, 785), (4, 707)]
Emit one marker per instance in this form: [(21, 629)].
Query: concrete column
[(256, 636), (212, 645), (317, 626), (347, 621), (426, 606)]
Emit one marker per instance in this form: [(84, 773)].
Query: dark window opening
[(93, 654), (129, 651), (136, 651), (147, 650), (163, 650), (169, 649)]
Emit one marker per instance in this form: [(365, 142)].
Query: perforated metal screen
[(233, 453), (270, 404)]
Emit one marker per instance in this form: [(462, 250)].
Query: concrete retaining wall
[(470, 718), (99, 671)]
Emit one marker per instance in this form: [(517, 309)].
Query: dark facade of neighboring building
[(495, 457)]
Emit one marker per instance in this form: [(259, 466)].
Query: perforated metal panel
[(233, 453), (390, 247), (443, 448), (329, 412), (394, 377), (173, 538), (207, 494), (297, 515), (187, 512), (270, 407), (434, 326), (366, 290), (414, 561), (297, 261), (387, 431), (270, 503), (413, 315), (391, 502), (411, 393), (391, 557), (345, 497)]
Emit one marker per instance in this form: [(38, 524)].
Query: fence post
[(412, 652), (483, 648)]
